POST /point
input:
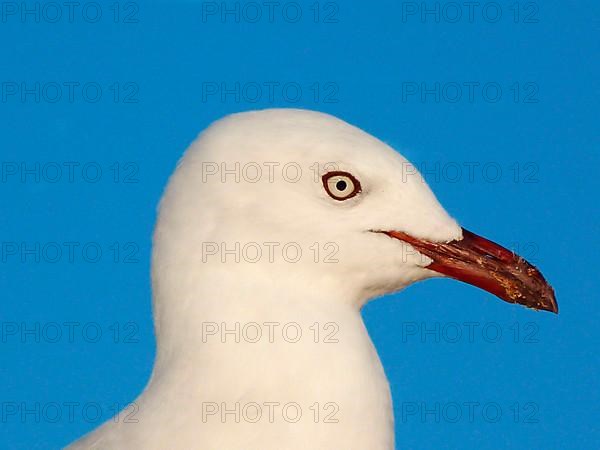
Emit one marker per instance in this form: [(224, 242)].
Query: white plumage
[(193, 288)]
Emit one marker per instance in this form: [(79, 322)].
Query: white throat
[(255, 365)]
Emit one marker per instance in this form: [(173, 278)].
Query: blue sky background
[(361, 58)]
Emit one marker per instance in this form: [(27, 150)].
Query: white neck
[(237, 346)]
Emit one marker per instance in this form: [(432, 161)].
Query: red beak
[(489, 266)]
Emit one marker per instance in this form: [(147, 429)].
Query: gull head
[(301, 201), (290, 217)]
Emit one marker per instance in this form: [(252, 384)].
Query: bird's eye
[(341, 185)]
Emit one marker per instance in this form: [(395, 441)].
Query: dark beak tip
[(550, 306), (553, 306), (533, 292), (547, 297)]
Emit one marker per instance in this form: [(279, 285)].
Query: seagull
[(276, 227)]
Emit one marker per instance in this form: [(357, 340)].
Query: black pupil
[(341, 185)]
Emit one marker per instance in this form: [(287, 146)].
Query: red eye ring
[(341, 186)]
